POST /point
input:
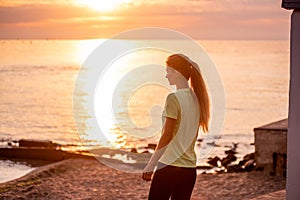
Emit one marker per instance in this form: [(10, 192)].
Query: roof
[(281, 125)]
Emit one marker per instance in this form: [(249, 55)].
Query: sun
[(102, 5)]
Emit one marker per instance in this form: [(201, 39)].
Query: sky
[(199, 19)]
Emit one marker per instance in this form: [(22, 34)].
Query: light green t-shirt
[(182, 106)]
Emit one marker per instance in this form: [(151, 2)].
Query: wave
[(30, 68)]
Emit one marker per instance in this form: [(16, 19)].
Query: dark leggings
[(174, 182)]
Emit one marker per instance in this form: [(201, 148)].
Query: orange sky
[(200, 19)]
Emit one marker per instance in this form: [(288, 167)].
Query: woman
[(186, 110)]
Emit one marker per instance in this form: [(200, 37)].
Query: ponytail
[(199, 87)]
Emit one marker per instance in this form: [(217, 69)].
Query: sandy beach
[(90, 179)]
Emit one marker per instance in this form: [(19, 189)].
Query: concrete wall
[(270, 139)]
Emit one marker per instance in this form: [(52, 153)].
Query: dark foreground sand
[(89, 179)]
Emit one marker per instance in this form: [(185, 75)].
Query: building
[(271, 147), (293, 183)]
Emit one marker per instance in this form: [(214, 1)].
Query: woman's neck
[(182, 85)]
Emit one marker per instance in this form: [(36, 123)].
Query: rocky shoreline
[(132, 160), (52, 152), (220, 165), (90, 179)]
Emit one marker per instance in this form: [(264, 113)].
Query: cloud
[(41, 12), (226, 19)]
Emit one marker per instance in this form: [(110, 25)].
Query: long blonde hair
[(190, 70)]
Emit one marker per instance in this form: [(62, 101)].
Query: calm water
[(11, 170), (37, 81)]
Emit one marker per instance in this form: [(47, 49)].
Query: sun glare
[(102, 5)]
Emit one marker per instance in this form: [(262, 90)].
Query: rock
[(152, 146), (234, 168), (222, 171), (133, 150), (146, 151), (241, 163), (37, 143), (250, 165), (204, 167), (9, 144), (228, 152), (228, 159), (38, 153), (249, 156), (214, 161), (225, 162)]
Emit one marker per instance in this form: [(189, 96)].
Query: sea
[(49, 90)]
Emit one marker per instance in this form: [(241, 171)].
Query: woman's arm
[(161, 147)]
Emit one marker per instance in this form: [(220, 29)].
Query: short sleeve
[(171, 109)]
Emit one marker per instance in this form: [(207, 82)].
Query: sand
[(89, 179)]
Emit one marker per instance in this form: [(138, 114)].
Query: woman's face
[(171, 75)]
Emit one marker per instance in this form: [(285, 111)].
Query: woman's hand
[(147, 176), (148, 172)]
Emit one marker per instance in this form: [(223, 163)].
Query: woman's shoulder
[(171, 96), (172, 99)]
